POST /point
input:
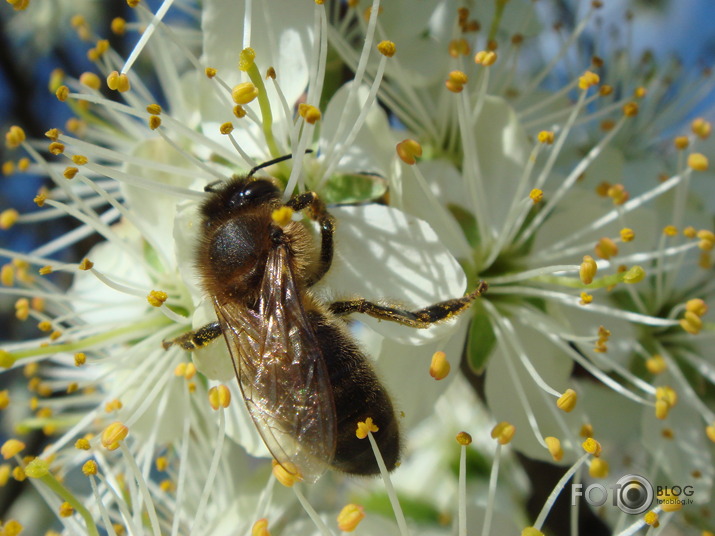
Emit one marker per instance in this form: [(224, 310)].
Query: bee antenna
[(274, 161)]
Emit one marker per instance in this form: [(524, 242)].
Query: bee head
[(237, 195)]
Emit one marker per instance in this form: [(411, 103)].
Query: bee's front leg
[(193, 340)]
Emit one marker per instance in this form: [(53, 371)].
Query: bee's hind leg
[(198, 338), (421, 318)]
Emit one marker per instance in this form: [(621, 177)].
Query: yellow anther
[(191, 386), (239, 111), (8, 168), (82, 444), (656, 364), (91, 80), (80, 358), (219, 397), (691, 323), (154, 122), (62, 93), (531, 531), (260, 528), (588, 79), (246, 59), (153, 109), (286, 473), (7, 273), (681, 142), (55, 81), (13, 527), (662, 408), (456, 81), (440, 367), (587, 270), (190, 371), (630, 109), (210, 72), (85, 265), (118, 26), (605, 90), (80, 160), (554, 446), (663, 392), (697, 306), (70, 172), (667, 433), (162, 463), (627, 234), (66, 510), (44, 413), (640, 92), (636, 274), (704, 261), (602, 189), (670, 230), (386, 48), (701, 128), (8, 218), (180, 370), (75, 125), (409, 150), (14, 137), (592, 446), (118, 82), (464, 439), (90, 468), (5, 470), (45, 326), (309, 112), (226, 128), (101, 47), (503, 432), (586, 298), (18, 473), (113, 434), (536, 195), (705, 235), (606, 248), (244, 93), (11, 447), (113, 405), (270, 73), (350, 516), (567, 401), (4, 399), (546, 136), (365, 427), (56, 148), (710, 432), (156, 298), (669, 501), (618, 193), (282, 216), (485, 58), (697, 162), (598, 468), (651, 518), (459, 47)]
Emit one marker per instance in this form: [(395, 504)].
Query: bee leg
[(192, 340), (318, 213), (422, 318)]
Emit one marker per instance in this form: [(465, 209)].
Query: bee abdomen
[(358, 394)]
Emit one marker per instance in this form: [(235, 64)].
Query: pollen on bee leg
[(363, 428), (282, 216), (350, 517), (286, 473), (440, 367)]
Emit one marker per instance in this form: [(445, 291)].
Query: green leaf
[(358, 188), (415, 509)]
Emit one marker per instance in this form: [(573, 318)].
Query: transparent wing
[(282, 373)]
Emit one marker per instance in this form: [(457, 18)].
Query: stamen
[(440, 367), (350, 517)]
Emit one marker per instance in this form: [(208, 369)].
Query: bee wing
[(282, 373)]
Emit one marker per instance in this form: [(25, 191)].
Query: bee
[(305, 381)]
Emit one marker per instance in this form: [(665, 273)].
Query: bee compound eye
[(256, 192)]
